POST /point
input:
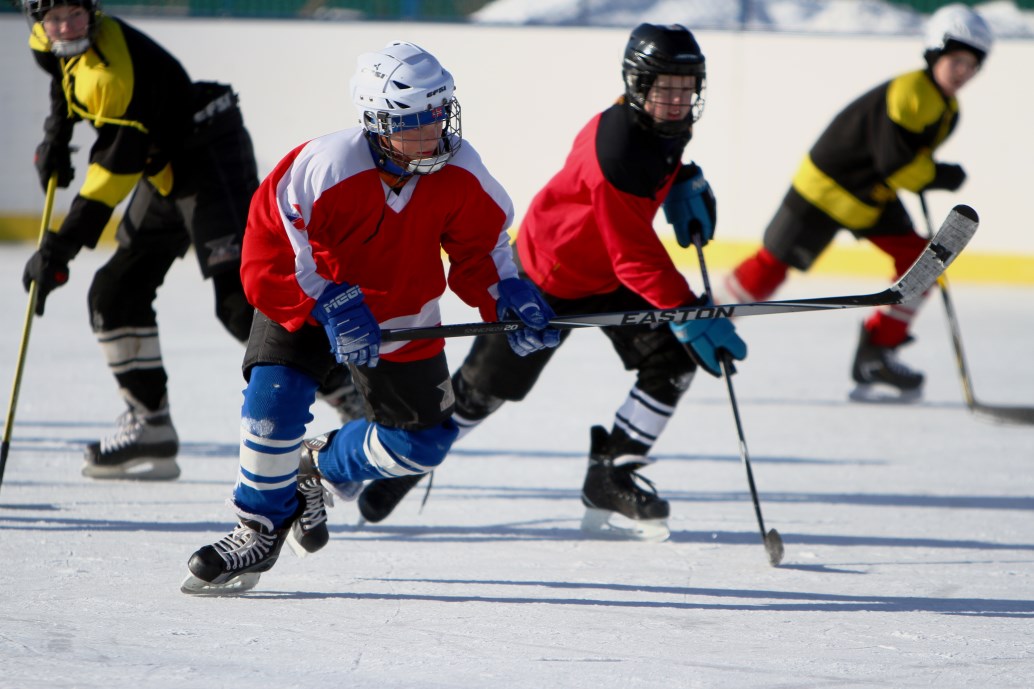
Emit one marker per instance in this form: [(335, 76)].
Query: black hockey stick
[(1001, 413), (23, 348), (955, 233), (771, 539)]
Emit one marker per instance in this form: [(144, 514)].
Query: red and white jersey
[(324, 215), (590, 229)]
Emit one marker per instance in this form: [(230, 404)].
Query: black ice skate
[(381, 496), (880, 376), (143, 447), (309, 532), (234, 563), (619, 502)]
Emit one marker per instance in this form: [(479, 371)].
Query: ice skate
[(309, 533), (382, 496), (619, 502), (881, 377), (143, 448), (234, 563)]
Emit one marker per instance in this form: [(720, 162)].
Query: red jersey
[(324, 215), (590, 229)]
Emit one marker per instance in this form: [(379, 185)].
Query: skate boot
[(382, 496), (621, 503), (309, 532), (880, 377), (143, 448), (234, 563)]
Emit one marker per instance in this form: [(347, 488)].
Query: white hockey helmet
[(403, 87), (958, 26)]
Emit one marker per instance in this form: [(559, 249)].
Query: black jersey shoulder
[(633, 159)]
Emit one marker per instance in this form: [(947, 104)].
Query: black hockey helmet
[(36, 10), (653, 50)]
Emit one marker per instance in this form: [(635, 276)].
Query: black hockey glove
[(48, 267), (947, 176), (54, 158)]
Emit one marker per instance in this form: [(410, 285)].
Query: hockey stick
[(955, 233), (771, 539), (23, 348), (1007, 414)]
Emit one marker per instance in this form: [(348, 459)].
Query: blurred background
[(531, 73)]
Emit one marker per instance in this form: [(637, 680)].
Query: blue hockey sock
[(273, 421)]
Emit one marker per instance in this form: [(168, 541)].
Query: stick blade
[(1003, 414), (774, 547), (944, 247)]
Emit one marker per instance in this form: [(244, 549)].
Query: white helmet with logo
[(400, 88), (958, 26)]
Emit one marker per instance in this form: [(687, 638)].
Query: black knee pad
[(472, 404), (102, 296), (666, 374)]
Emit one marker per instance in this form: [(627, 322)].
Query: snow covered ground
[(909, 532)]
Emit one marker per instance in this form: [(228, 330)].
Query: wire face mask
[(416, 144)]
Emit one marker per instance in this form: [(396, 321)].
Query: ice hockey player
[(343, 237), (588, 242), (181, 150), (881, 144)]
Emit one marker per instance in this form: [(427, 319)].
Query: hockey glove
[(691, 209), (705, 339), (947, 176), (519, 299), (54, 158), (355, 336), (48, 267)]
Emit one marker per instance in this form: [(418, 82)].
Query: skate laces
[(317, 499), (640, 487), (128, 428), (244, 546)]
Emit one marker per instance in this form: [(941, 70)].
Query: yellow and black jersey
[(880, 143), (139, 99)]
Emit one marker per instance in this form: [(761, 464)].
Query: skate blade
[(296, 547), (238, 584), (614, 526), (142, 469), (876, 393)]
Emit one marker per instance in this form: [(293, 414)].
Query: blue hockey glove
[(706, 338), (691, 209), (519, 299), (48, 267), (355, 336)]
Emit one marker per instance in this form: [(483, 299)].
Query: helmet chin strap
[(71, 48)]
